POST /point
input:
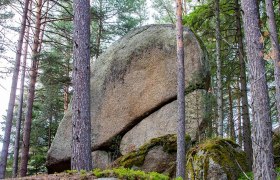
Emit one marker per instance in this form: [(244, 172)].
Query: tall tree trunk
[(247, 141), (9, 120), (219, 73), (66, 97), (263, 162), (181, 132), (240, 139), (275, 51), (66, 87), (230, 115), (20, 108), (81, 123), (50, 132), (100, 27), (31, 91)]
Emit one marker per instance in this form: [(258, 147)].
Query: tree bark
[(81, 123), (230, 115), (263, 162), (99, 33), (66, 87), (31, 92), (181, 147), (247, 141), (9, 120), (20, 108), (50, 132), (219, 73), (275, 51), (240, 139)]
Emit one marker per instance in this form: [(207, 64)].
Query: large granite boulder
[(132, 80), (164, 121)]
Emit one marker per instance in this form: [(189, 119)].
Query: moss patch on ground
[(125, 173), (222, 152)]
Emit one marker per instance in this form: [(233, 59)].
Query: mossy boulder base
[(130, 83), (216, 159)]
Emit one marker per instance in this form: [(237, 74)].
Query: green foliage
[(164, 11), (125, 173), (114, 21)]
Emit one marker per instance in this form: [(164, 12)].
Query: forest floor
[(60, 176)]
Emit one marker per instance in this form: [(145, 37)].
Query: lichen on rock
[(215, 159)]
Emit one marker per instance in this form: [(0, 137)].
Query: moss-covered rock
[(215, 159), (164, 148)]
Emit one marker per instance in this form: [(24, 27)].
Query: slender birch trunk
[(9, 120)]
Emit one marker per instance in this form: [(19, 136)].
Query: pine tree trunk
[(99, 33), (20, 108), (65, 97), (50, 132), (247, 141), (240, 139), (219, 73), (31, 92), (81, 121), (263, 162), (66, 87), (230, 115), (181, 149), (9, 120), (275, 51)]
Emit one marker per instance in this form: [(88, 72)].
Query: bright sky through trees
[(6, 78)]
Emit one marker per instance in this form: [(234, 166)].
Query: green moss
[(276, 149), (250, 175), (136, 158), (71, 171), (222, 151), (125, 173)]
